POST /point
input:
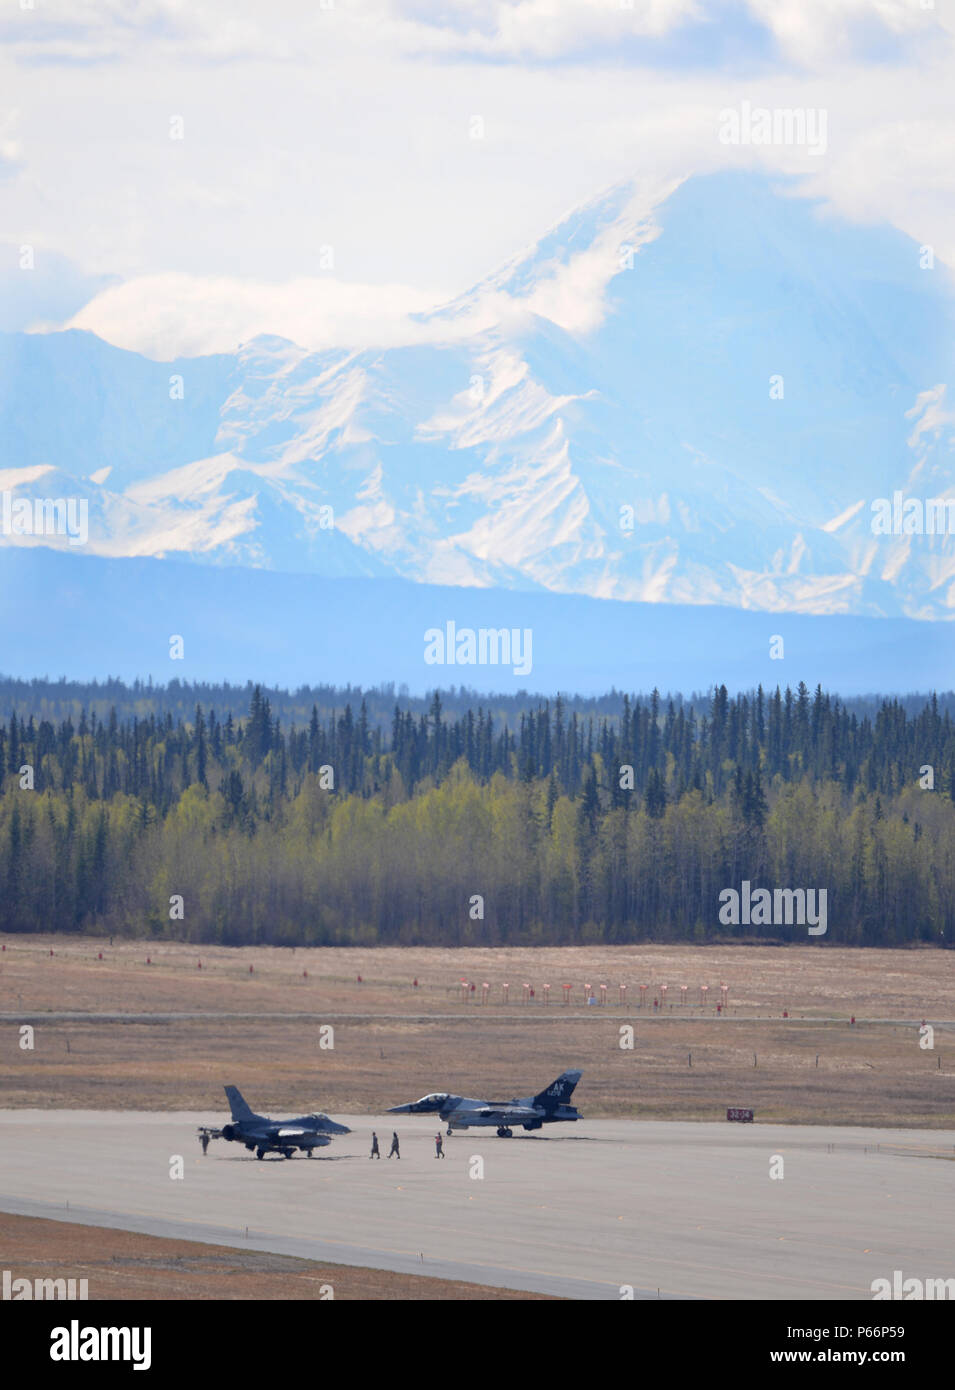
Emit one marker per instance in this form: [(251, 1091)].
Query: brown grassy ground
[(393, 1042), (814, 980), (125, 1265)]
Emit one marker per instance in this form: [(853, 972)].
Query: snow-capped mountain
[(694, 403)]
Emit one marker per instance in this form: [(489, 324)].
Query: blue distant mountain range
[(657, 438)]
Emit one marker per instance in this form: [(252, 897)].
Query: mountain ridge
[(632, 451), (83, 615)]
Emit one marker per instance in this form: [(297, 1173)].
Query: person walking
[(205, 1142), (394, 1145), (375, 1151), (438, 1146)]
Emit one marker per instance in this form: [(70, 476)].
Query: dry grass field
[(813, 981), (129, 1266), (394, 1041)]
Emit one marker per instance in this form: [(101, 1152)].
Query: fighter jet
[(460, 1112), (258, 1132)]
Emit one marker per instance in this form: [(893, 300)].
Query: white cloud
[(107, 31), (817, 32), (537, 28), (11, 149), (808, 32), (349, 127), (173, 315)]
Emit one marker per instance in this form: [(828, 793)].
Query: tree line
[(551, 825)]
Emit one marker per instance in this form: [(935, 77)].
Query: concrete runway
[(580, 1210)]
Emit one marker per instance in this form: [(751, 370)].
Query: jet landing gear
[(504, 1133), (260, 1153)]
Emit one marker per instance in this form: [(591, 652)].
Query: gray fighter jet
[(258, 1132), (460, 1112)]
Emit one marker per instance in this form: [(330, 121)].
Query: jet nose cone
[(399, 1110), (336, 1128)]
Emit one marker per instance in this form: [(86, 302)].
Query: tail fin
[(559, 1091), (240, 1111)]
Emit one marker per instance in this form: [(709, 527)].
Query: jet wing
[(509, 1112)]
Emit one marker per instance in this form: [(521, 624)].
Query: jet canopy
[(427, 1105)]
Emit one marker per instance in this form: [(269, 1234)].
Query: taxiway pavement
[(675, 1210)]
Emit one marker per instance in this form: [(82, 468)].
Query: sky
[(188, 175)]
